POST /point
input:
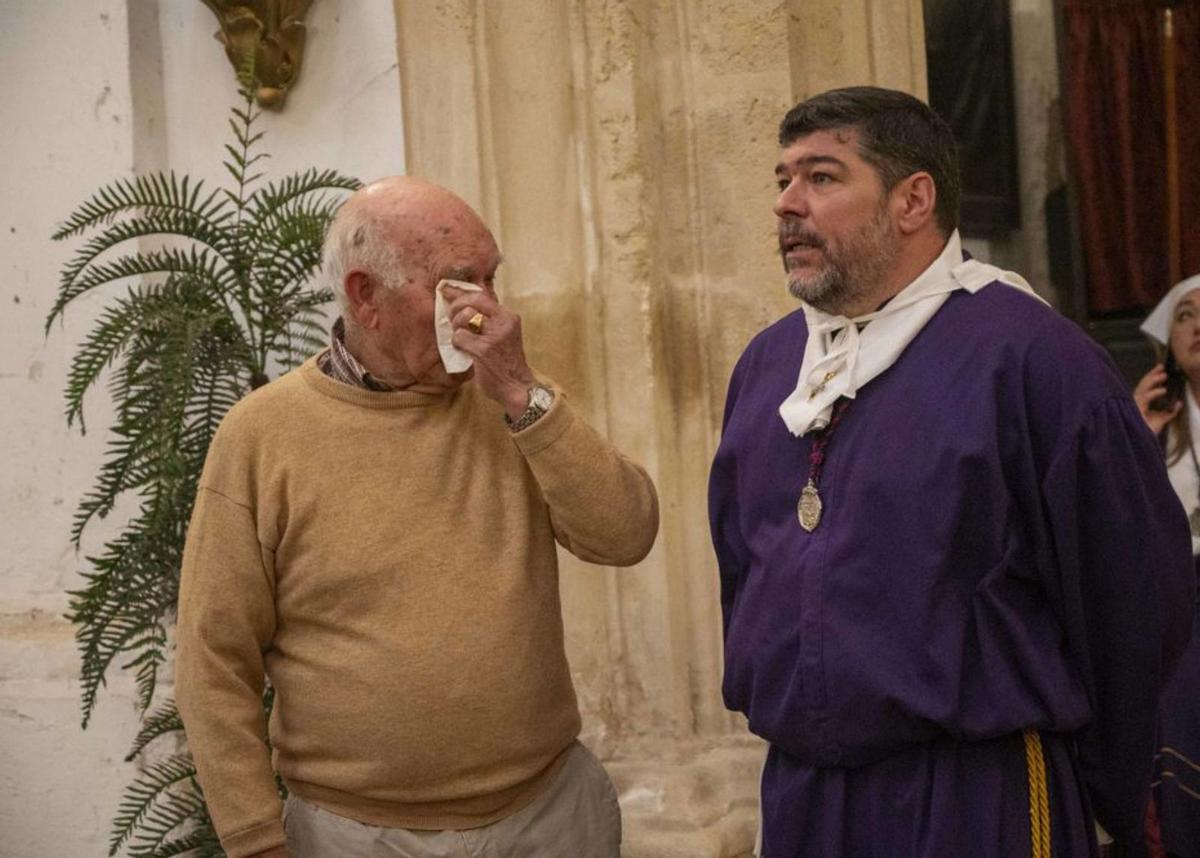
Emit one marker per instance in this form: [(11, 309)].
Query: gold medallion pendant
[(1194, 521), (809, 507)]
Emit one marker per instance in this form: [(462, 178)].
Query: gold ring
[(475, 323)]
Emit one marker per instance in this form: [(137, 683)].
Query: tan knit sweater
[(388, 559)]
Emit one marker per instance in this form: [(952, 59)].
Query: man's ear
[(913, 202), (362, 295)]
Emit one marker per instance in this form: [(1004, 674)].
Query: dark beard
[(850, 273)]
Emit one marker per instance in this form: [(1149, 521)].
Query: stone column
[(623, 152)]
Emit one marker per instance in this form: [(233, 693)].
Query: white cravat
[(842, 356)]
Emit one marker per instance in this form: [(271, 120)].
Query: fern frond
[(128, 317), (308, 325), (163, 721), (307, 333), (292, 235), (133, 458), (140, 797), (161, 801), (157, 192), (179, 339), (241, 133), (199, 264), (167, 369), (207, 231), (198, 843), (151, 649), (105, 342), (124, 602), (124, 620), (201, 839), (171, 814), (287, 252), (123, 470), (275, 195), (218, 388)]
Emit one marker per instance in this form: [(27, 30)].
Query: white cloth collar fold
[(842, 356)]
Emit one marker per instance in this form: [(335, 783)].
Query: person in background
[(1167, 397)]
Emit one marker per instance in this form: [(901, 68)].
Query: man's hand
[(500, 367), (1151, 387), (277, 852)]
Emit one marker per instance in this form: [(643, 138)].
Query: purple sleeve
[(731, 550), (1124, 584)]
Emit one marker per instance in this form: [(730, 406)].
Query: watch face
[(541, 398)]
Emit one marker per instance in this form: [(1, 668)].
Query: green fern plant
[(206, 316)]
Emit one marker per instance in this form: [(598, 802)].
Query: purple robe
[(1000, 550)]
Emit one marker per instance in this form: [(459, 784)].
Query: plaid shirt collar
[(340, 365)]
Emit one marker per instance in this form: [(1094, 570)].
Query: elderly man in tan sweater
[(377, 536)]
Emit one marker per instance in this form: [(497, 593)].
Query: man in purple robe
[(954, 576)]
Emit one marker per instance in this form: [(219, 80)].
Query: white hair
[(358, 240)]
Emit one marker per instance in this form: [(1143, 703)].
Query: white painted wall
[(92, 91), (344, 112)]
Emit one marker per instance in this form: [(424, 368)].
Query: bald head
[(395, 229), (387, 249)]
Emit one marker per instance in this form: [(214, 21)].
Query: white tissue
[(455, 360)]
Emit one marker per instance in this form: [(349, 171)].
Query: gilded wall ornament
[(269, 31)]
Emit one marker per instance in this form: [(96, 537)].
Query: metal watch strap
[(531, 414)]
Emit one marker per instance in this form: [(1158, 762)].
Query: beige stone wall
[(623, 154), (1041, 153)]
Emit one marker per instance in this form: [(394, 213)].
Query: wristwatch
[(540, 400)]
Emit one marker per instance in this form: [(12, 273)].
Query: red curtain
[(1116, 129)]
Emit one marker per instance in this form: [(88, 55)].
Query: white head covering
[(1158, 324)]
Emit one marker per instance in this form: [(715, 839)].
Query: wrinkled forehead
[(437, 231), (457, 251)]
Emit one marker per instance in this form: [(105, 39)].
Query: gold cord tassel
[(1039, 796)]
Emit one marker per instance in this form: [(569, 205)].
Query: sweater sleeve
[(603, 507), (226, 622)]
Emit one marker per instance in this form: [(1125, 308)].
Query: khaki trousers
[(577, 817)]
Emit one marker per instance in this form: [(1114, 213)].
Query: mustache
[(793, 232)]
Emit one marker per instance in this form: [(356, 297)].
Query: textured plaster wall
[(66, 103), (91, 92)]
